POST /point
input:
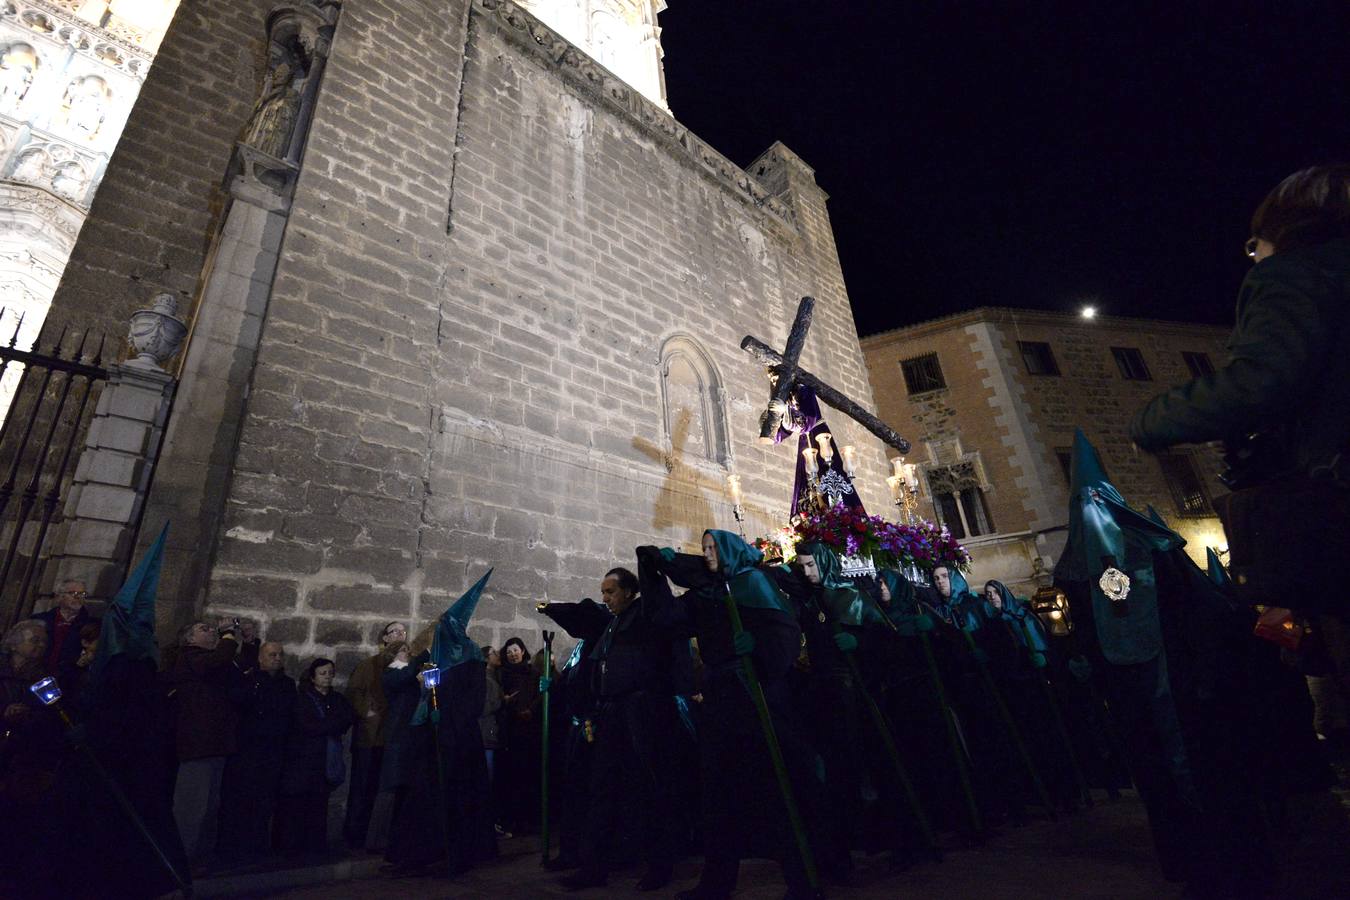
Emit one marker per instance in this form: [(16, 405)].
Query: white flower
[(1115, 584)]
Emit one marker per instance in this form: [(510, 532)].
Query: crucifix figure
[(785, 374)]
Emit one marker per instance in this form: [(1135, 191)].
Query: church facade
[(478, 305)]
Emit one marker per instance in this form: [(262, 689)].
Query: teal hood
[(128, 627), (903, 609), (1026, 626), (1105, 533), (842, 600), (450, 644), (739, 563)]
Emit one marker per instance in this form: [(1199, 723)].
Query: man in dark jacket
[(252, 776), (63, 622), (635, 725), (201, 678)]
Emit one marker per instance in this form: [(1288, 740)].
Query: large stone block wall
[(488, 247)]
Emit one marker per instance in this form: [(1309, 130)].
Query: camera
[(232, 626)]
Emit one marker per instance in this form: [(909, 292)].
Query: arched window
[(694, 414)]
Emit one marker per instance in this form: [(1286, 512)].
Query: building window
[(1131, 364), (692, 401), (922, 373), (1186, 485), (959, 501), (1038, 358), (1198, 363)]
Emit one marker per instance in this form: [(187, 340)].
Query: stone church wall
[(494, 252), (428, 405)]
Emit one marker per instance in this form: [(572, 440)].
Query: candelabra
[(737, 502), (904, 484)]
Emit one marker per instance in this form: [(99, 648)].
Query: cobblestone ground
[(1103, 852)]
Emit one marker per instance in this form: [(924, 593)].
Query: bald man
[(253, 775)]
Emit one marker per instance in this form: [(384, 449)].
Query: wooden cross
[(784, 374)]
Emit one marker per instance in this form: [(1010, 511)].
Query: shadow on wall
[(681, 506)]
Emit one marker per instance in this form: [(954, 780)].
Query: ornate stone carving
[(156, 333), (299, 36), (18, 64)]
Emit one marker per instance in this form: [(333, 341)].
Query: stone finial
[(156, 333)]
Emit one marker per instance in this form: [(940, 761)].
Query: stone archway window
[(692, 402)]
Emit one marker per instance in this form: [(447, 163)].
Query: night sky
[(1039, 155)]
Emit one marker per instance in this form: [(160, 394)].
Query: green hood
[(903, 609), (842, 600), (128, 627), (1103, 527), (739, 563)]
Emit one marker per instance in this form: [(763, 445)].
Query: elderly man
[(200, 678), (365, 692), (252, 780), (63, 623)]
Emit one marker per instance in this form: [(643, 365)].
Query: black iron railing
[(45, 420)]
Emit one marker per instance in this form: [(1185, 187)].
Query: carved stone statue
[(16, 75), (85, 102), (269, 129)]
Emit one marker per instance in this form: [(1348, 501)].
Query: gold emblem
[(821, 617)]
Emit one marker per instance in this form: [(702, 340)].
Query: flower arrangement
[(848, 531)]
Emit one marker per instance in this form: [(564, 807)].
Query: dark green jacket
[(1289, 364)]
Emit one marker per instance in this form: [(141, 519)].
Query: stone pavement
[(1099, 854)]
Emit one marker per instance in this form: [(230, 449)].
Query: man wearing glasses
[(63, 622)]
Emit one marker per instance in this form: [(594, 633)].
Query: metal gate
[(46, 417)]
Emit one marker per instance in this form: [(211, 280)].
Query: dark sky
[(1024, 154)]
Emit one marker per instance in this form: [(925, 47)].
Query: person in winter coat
[(201, 680), (253, 775), (518, 755), (314, 765)]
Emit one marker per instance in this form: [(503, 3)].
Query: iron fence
[(44, 421)]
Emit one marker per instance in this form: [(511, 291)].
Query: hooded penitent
[(1111, 548), (450, 645), (1018, 614), (739, 563), (129, 624), (843, 602)]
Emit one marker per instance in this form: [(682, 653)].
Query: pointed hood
[(1105, 533), (1155, 516), (129, 623), (750, 587), (1217, 573), (842, 599), (451, 645)]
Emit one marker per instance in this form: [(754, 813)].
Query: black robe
[(446, 816), (743, 811)]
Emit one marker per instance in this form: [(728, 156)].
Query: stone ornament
[(1115, 584), (156, 333), (18, 64)]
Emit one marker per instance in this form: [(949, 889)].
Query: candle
[(734, 482), (912, 477), (809, 458), (898, 466), (893, 482), (826, 450), (850, 458)]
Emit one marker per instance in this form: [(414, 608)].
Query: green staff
[(1064, 738), (775, 752), (1009, 724), (543, 764), (883, 727), (949, 721)]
